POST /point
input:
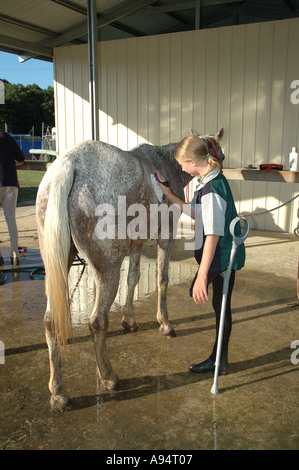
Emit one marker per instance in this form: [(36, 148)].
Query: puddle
[(160, 404), (81, 285)]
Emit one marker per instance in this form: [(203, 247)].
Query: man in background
[(11, 156)]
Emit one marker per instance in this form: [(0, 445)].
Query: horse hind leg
[(106, 290), (59, 398), (128, 320)]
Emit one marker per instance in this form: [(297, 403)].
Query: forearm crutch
[(237, 240)]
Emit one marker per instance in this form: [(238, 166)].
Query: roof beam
[(258, 12), (171, 13), (72, 6), (18, 45), (290, 5), (176, 6), (267, 13), (24, 24), (212, 3), (126, 29), (114, 14)]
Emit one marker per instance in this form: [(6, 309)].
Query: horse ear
[(219, 134)]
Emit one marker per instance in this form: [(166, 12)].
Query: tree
[(27, 106)]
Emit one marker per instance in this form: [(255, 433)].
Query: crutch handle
[(238, 239)]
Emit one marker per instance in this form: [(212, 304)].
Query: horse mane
[(162, 156)]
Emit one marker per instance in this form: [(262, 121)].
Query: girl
[(213, 209)]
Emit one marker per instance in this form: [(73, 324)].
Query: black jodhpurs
[(216, 280)]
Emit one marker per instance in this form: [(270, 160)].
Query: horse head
[(213, 142)]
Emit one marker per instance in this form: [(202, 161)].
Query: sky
[(26, 73)]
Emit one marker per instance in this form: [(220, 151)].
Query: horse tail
[(57, 243)]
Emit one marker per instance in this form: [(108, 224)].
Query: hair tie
[(208, 154)]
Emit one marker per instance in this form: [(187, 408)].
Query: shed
[(164, 67)]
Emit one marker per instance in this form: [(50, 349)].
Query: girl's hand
[(200, 290), (166, 190), (161, 178)]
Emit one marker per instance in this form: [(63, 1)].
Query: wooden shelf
[(250, 174), (239, 174)]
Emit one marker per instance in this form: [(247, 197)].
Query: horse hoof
[(129, 327), (59, 402), (111, 384), (170, 333)]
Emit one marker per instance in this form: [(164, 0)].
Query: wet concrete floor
[(160, 405)]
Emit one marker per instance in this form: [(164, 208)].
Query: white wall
[(155, 88)]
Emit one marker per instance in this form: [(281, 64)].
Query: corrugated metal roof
[(34, 27)]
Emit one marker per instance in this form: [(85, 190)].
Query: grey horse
[(86, 203)]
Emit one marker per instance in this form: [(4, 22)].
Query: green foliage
[(27, 106)]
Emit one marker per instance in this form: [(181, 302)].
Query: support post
[(93, 67), (197, 14)]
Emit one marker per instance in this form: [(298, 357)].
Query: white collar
[(210, 176)]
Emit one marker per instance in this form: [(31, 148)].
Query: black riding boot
[(209, 364)]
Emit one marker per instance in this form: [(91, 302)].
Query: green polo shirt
[(214, 209)]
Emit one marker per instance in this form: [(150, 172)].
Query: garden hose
[(2, 278), (35, 272), (32, 272)]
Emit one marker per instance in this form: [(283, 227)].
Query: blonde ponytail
[(214, 163), (195, 148)]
